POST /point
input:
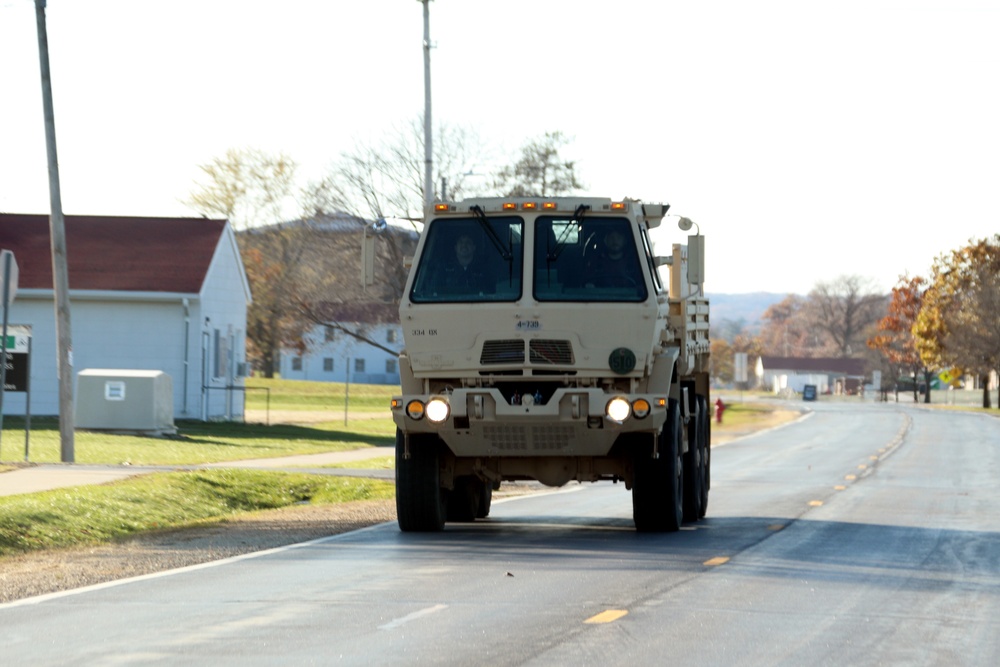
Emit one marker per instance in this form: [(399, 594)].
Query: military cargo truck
[(545, 340)]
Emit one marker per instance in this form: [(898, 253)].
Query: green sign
[(622, 360)]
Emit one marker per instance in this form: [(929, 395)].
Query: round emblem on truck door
[(622, 360)]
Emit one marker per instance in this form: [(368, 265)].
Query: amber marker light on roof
[(529, 205), (618, 206), (549, 206), (441, 208), (509, 206)]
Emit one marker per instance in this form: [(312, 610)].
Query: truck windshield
[(589, 259), (470, 260)]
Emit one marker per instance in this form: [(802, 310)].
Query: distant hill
[(747, 308)]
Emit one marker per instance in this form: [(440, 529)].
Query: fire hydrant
[(720, 407)]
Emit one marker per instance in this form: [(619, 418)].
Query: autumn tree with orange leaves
[(895, 340), (957, 325)]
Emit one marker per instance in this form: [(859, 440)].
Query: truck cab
[(544, 339)]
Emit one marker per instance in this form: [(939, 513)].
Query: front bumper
[(571, 422)]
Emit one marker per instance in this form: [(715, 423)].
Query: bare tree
[(385, 180), (846, 310), (248, 187), (787, 330)]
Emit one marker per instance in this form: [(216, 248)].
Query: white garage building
[(157, 294)]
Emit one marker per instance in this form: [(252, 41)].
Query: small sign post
[(8, 288), (15, 372)]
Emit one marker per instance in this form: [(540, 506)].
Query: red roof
[(829, 365), (113, 253)]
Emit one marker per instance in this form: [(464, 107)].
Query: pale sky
[(808, 140)]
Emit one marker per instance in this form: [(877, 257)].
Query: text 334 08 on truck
[(546, 340)]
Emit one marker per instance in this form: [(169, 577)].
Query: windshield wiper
[(553, 253), (491, 233)]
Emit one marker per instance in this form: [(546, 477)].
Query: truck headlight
[(618, 409), (437, 410)]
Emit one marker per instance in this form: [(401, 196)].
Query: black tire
[(657, 484), (705, 434), (464, 499), (670, 448), (421, 503), (694, 468), (485, 500), (697, 461)]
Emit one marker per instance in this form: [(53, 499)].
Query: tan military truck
[(545, 340)]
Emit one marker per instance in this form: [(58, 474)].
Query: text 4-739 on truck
[(546, 340)]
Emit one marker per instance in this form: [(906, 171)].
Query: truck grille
[(516, 438), (557, 352), (502, 352)]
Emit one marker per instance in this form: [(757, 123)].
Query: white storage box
[(125, 400)]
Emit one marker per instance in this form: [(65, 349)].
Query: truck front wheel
[(421, 503), (657, 487)]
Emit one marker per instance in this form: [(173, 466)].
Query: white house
[(164, 294), (331, 355), (828, 374)]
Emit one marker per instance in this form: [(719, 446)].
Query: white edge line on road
[(46, 597), (403, 620), (38, 599)]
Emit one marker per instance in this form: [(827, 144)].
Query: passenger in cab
[(614, 266)]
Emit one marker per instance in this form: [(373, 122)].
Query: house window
[(359, 365), (329, 334), (220, 344), (390, 366), (390, 336), (328, 364), (296, 363)]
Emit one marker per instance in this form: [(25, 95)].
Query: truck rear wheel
[(465, 498), (485, 500), (695, 465), (705, 440), (421, 503), (657, 484)]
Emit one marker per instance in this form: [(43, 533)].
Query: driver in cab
[(462, 274)]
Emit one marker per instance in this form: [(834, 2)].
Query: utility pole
[(60, 272), (428, 148)]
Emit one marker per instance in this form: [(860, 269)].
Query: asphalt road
[(864, 535)]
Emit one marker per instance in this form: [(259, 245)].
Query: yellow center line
[(718, 560), (862, 467), (850, 477), (839, 487), (815, 503), (607, 616)]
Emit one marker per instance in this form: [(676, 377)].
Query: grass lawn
[(211, 442), (277, 394), (103, 513), (196, 442), (100, 513), (740, 416)]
